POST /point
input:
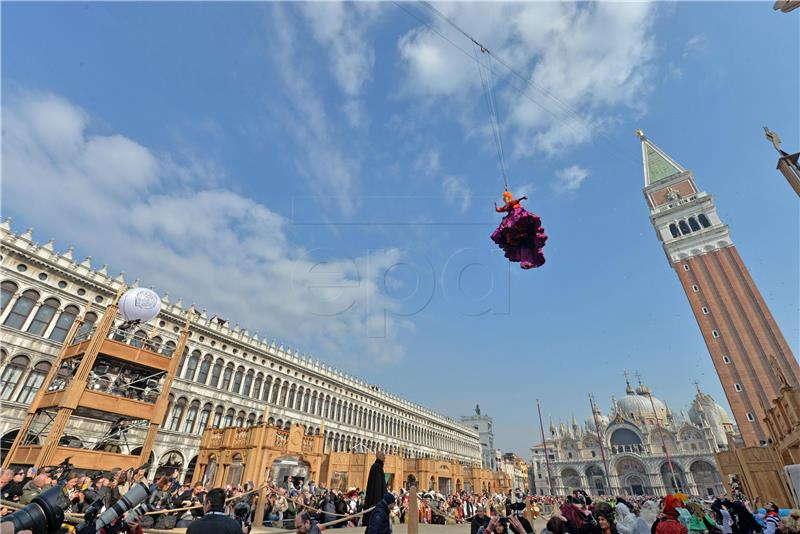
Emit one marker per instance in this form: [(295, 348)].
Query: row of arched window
[(228, 377), (41, 317), (687, 226), (20, 380), (46, 317), (193, 416)]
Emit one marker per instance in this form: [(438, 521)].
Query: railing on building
[(281, 439), (136, 338)]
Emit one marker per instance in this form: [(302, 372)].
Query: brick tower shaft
[(742, 337)]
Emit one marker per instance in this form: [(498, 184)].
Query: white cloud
[(355, 114), (333, 173), (527, 189), (695, 46), (115, 197), (341, 28), (457, 192), (428, 162), (570, 179), (588, 62)]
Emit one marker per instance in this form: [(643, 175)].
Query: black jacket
[(379, 521), (12, 490), (478, 522), (376, 487), (214, 524)]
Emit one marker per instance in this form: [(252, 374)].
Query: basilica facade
[(227, 376), (640, 448)]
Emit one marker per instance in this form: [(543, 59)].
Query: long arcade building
[(225, 378)]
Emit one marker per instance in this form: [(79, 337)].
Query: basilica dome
[(602, 421), (705, 403), (636, 405), (705, 411)]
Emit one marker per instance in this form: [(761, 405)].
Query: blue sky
[(324, 174)]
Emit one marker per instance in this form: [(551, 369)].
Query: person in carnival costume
[(668, 522), (520, 233)]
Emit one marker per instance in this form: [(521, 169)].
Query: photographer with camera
[(503, 525), (34, 487), (214, 520)]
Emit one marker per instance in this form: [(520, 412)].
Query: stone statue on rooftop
[(775, 139)]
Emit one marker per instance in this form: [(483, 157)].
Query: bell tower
[(739, 331)]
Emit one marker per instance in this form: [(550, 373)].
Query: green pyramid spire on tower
[(657, 165)]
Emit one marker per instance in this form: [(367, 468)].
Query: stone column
[(691, 484), (30, 317), (11, 302)]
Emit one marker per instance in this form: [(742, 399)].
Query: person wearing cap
[(379, 520)]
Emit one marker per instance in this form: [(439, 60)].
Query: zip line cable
[(496, 117), (500, 60), (520, 88), (565, 108), (495, 125)]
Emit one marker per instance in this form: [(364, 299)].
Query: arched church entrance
[(570, 480), (596, 480), (633, 477), (674, 479), (706, 478)]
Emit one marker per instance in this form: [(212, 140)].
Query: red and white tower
[(742, 337)]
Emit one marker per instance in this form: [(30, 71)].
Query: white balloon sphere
[(139, 304)]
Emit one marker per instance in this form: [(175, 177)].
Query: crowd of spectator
[(309, 507)]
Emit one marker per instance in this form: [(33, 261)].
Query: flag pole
[(546, 456)]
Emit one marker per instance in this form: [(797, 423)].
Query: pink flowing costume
[(521, 236)]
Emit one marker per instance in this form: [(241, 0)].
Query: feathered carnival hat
[(671, 505)]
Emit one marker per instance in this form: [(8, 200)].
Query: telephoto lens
[(43, 516), (132, 498)]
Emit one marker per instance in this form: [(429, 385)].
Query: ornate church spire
[(657, 164), (628, 388)]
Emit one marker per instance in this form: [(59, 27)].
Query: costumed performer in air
[(520, 233)]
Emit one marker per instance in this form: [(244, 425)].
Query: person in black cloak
[(376, 485)]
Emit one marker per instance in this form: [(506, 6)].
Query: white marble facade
[(634, 435)]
